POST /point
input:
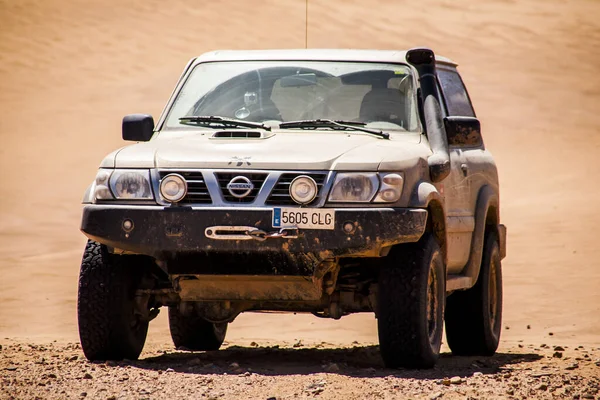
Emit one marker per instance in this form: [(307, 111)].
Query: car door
[(460, 187)]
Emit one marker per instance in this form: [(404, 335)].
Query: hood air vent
[(255, 134)]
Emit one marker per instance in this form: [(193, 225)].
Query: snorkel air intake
[(424, 62)]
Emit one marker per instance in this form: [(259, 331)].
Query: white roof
[(392, 56)]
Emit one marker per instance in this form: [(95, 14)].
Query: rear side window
[(455, 93)]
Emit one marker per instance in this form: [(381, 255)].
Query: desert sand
[(69, 71)]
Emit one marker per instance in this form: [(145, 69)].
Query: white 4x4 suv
[(321, 181)]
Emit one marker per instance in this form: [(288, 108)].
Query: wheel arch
[(427, 196), (487, 219)]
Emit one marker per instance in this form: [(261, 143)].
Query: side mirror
[(138, 127), (463, 131)]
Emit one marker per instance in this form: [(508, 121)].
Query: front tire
[(474, 316), (195, 333), (109, 328), (411, 294)]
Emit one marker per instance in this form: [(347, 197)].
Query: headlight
[(354, 187), (173, 187), (303, 189), (101, 187), (391, 188), (131, 184)]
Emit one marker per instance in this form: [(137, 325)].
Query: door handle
[(464, 168)]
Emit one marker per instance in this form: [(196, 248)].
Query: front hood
[(286, 150)]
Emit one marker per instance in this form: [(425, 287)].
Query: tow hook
[(248, 233)]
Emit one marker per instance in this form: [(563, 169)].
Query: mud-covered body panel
[(164, 231)]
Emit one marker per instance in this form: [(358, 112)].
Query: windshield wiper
[(224, 122), (336, 125)]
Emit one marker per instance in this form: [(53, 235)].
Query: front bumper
[(162, 231)]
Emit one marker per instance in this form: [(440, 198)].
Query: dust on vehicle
[(323, 181)]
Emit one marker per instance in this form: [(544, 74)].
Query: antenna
[(306, 26)]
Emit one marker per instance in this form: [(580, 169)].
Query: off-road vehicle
[(323, 181)]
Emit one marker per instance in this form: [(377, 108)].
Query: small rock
[(541, 386), (436, 395), (477, 373), (247, 373), (234, 365), (446, 382), (572, 366), (254, 344), (540, 374), (11, 368), (507, 327), (333, 367), (597, 363), (544, 346), (520, 346), (53, 376), (551, 333), (74, 358), (169, 370), (298, 344), (0, 347), (528, 326), (87, 376), (316, 387), (271, 398), (510, 392), (559, 348), (456, 380), (83, 394), (557, 354)]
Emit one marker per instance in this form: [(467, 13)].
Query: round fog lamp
[(303, 189), (173, 188)]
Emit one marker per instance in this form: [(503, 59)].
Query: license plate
[(304, 218)]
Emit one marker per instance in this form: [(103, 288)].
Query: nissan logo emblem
[(240, 187)]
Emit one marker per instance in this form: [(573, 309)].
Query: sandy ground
[(70, 70)]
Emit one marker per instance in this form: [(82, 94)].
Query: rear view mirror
[(463, 131), (138, 127), (298, 80)]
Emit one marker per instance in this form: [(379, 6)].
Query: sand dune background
[(69, 71)]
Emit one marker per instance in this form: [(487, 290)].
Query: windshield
[(381, 96)]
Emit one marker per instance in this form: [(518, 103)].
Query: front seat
[(384, 104)]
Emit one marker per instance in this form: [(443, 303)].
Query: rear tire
[(109, 329), (474, 316), (411, 294), (195, 333)]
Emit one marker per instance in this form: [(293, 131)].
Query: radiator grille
[(224, 179)]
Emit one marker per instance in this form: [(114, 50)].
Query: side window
[(455, 94)]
